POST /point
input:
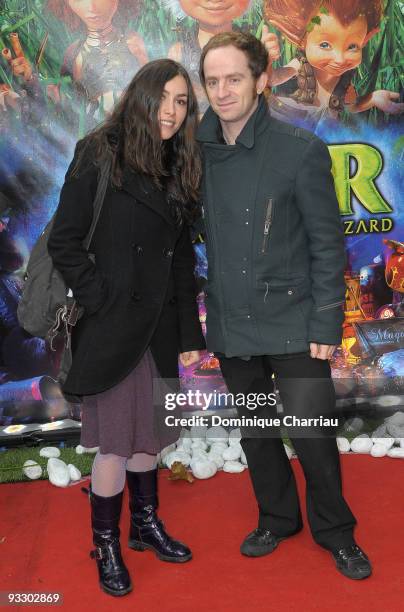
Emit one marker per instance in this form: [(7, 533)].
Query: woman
[(139, 298)]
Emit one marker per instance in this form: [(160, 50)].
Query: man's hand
[(189, 358), (321, 351)]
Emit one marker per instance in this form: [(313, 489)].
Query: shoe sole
[(141, 547), (353, 577), (266, 552), (115, 593)]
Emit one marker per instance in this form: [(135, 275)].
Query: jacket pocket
[(267, 225)]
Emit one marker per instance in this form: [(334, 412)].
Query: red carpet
[(45, 539)]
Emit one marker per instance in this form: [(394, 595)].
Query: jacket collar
[(142, 188), (210, 130)]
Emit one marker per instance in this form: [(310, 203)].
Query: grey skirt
[(124, 419)]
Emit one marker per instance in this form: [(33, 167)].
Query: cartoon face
[(214, 12), (230, 85), (173, 107), (96, 14), (335, 48)]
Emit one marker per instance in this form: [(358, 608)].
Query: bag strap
[(103, 180), (71, 315)]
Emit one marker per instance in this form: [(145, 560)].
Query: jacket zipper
[(267, 225)]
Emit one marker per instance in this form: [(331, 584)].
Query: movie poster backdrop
[(335, 68)]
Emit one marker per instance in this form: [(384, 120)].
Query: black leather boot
[(146, 529), (105, 514)]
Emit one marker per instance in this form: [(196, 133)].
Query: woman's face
[(173, 107), (96, 14), (335, 48), (214, 12)]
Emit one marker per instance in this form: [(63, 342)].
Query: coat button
[(137, 248), (135, 296), (172, 300), (167, 252), (290, 292)]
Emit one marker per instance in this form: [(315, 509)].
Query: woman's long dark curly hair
[(131, 135)]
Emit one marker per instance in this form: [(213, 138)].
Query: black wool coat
[(139, 291)]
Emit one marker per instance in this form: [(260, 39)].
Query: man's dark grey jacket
[(275, 243)]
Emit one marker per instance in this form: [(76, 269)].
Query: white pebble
[(378, 450), (79, 449), (184, 444), (343, 445), (165, 451), (203, 469), (216, 458), (198, 432), (199, 444), (353, 424), (31, 469), (396, 452), (232, 453), (233, 467), (235, 436), (380, 432), (396, 419), (49, 451), (180, 456), (387, 442), (219, 447), (74, 472), (58, 472), (217, 433), (361, 444), (199, 452)]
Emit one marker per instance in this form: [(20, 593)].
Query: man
[(275, 292)]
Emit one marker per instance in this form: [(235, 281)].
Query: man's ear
[(262, 82), (370, 35)]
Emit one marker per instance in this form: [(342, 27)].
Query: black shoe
[(105, 513), (146, 529), (352, 562), (260, 542)]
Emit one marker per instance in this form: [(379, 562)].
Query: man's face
[(230, 85), (335, 48), (214, 12)]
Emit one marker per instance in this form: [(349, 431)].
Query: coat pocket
[(284, 306)]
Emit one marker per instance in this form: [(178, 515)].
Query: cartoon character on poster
[(209, 19), (330, 36), (24, 98), (105, 55)]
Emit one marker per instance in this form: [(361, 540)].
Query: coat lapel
[(144, 190)]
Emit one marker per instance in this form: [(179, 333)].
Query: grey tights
[(109, 471)]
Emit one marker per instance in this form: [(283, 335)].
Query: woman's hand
[(189, 357)]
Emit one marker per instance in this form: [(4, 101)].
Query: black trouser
[(306, 390)]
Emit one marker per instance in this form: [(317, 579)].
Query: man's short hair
[(255, 51)]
